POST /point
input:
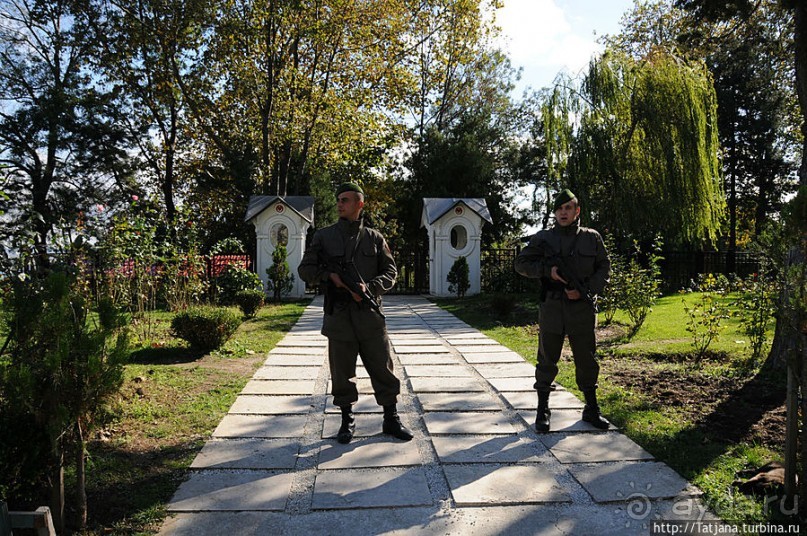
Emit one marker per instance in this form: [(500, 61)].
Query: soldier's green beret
[(349, 187), (562, 198)]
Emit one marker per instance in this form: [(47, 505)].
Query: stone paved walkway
[(476, 466)]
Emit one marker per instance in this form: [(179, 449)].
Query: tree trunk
[(56, 482), (81, 486)]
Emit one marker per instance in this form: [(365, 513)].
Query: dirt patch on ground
[(726, 409)]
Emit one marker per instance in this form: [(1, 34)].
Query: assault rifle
[(353, 280), (573, 280)]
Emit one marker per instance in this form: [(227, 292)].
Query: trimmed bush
[(249, 301), (458, 277), (205, 328)]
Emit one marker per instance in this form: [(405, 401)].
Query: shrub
[(249, 301), (705, 319), (280, 279), (458, 277), (756, 307), (502, 305), (205, 328), (234, 279)]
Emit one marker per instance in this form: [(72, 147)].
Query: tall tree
[(647, 138), (146, 44), (60, 150), (749, 64), (789, 348)]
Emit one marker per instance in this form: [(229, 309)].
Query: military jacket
[(582, 249), (342, 242)]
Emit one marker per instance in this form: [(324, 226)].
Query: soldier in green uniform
[(573, 266), (356, 267)]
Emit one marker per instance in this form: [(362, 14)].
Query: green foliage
[(756, 307), (280, 279), (64, 362), (228, 246), (205, 328), (249, 301), (705, 317), (458, 277), (233, 280), (647, 137), (633, 288)]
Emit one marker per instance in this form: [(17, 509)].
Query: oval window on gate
[(459, 237), (279, 235)]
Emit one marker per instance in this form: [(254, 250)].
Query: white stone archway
[(454, 226), (281, 220)]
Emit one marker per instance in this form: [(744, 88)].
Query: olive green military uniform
[(354, 328), (583, 252)]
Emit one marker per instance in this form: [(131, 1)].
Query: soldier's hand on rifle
[(573, 294), (334, 277), (557, 277)]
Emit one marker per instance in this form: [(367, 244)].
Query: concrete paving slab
[(382, 451), (445, 385), (297, 350), (487, 449), (391, 487), (303, 340), (228, 490), (438, 371), (493, 357), (480, 348), (261, 426), (513, 384), (507, 370), (423, 349), (582, 448), (248, 454), (563, 420), (279, 387), (480, 484), (421, 334), (627, 481), (471, 339), (285, 373), (271, 404), (448, 423), (459, 402), (542, 519), (429, 359), (529, 400), (407, 341), (366, 425), (282, 360)]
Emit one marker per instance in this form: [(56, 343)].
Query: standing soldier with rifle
[(356, 267), (573, 266)]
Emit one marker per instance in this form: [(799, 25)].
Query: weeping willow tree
[(644, 153)]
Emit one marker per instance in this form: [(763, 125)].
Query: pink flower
[(100, 208), (135, 198)]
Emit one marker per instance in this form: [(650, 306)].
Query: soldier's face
[(567, 213), (349, 205)]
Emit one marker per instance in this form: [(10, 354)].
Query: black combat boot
[(392, 424), (543, 413), (591, 412), (345, 433)]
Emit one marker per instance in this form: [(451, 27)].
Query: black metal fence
[(678, 269)]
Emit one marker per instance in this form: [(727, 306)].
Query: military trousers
[(376, 358), (560, 318)]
